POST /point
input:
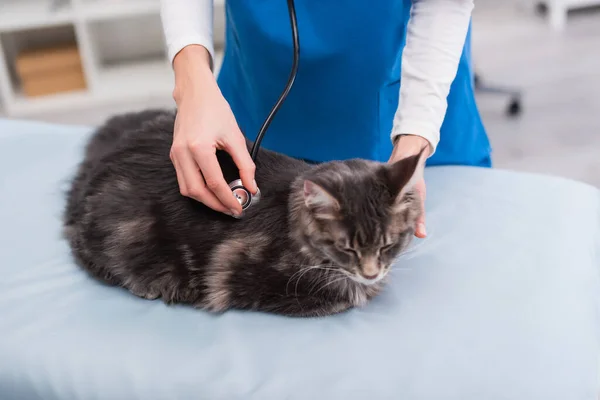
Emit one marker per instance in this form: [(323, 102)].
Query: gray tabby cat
[(320, 241)]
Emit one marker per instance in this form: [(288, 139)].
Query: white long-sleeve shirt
[(435, 37)]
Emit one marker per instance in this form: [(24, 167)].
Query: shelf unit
[(120, 43), (556, 11)]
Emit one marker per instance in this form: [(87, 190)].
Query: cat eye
[(347, 250), (350, 252), (386, 247)]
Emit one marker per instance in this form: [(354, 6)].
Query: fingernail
[(255, 186), (234, 212), (422, 229)]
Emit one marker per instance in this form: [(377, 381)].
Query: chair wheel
[(541, 8), (514, 108)]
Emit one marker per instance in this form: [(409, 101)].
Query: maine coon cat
[(320, 241)]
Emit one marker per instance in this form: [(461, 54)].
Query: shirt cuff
[(187, 22), (417, 128), (176, 45)]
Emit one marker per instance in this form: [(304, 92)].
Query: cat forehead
[(344, 175), (351, 168), (368, 227)]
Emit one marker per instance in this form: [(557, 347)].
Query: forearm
[(194, 79), (188, 31), (434, 42)]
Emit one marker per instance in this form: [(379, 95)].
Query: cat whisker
[(298, 280), (399, 270), (302, 271), (329, 271), (326, 269), (414, 247), (408, 251), (301, 267), (343, 277), (408, 256)]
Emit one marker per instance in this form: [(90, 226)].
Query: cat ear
[(319, 201), (404, 173)]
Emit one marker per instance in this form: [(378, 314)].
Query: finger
[(195, 185), (420, 231), (241, 157), (215, 182), (180, 178)]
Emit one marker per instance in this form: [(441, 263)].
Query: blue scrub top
[(346, 92)]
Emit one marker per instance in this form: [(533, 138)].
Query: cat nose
[(370, 268)]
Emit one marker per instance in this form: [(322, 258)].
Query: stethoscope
[(243, 195)]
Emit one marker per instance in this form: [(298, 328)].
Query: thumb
[(420, 230), (241, 157)]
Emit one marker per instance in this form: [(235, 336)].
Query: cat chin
[(365, 281)]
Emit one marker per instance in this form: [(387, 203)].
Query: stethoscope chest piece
[(243, 195)]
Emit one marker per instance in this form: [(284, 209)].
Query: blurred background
[(537, 67)]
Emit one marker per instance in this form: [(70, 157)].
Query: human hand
[(203, 125), (405, 146)]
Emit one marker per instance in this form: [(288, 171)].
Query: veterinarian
[(377, 80)]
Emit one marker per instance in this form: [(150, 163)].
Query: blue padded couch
[(500, 302)]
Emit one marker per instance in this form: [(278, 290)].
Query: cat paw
[(145, 294)]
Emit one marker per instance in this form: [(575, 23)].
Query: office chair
[(514, 107)]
